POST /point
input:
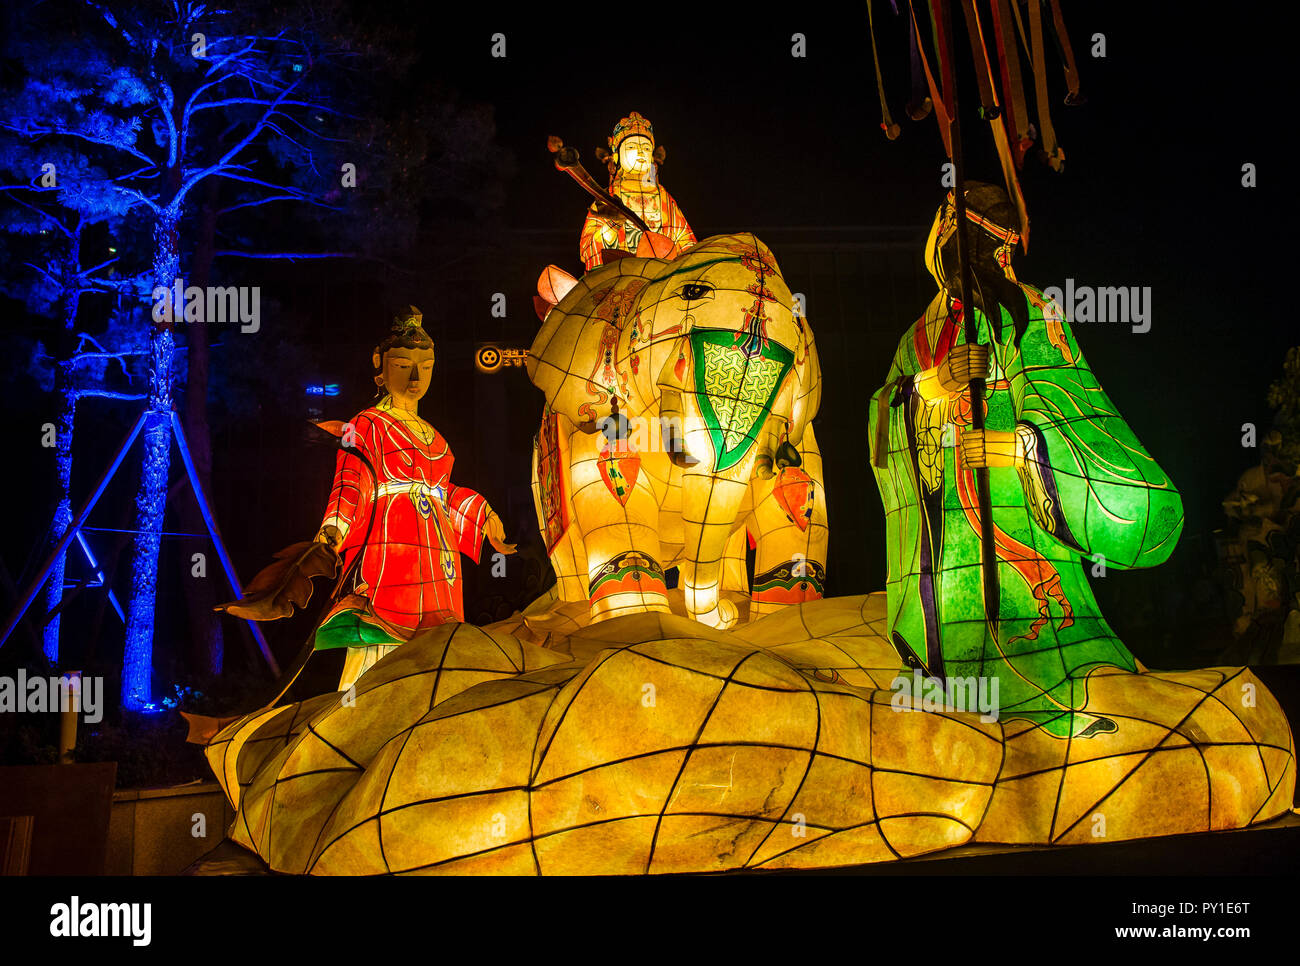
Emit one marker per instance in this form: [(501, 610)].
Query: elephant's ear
[(808, 384), (552, 285)]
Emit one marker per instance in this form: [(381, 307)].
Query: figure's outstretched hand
[(331, 536), (496, 533), (962, 364), (286, 584)]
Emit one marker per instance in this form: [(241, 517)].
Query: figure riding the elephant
[(634, 181)]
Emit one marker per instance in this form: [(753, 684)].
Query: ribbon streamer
[(1013, 91), (1055, 156), (919, 107), (984, 71), (989, 108), (940, 109), (1062, 38), (887, 124)]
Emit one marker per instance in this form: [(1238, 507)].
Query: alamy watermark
[(1118, 304), (645, 434), (921, 693), (70, 692), (211, 305), (76, 919)]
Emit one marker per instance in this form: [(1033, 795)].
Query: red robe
[(656, 208), (410, 524)]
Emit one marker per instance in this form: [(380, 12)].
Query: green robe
[(1088, 495)]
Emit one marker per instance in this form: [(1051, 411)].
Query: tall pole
[(988, 558), (205, 510), (29, 594)]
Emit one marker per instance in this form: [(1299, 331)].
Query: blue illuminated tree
[(53, 196), (170, 95), (213, 133)]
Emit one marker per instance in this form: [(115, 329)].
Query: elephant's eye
[(695, 290)]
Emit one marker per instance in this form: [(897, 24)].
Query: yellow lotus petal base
[(650, 743)]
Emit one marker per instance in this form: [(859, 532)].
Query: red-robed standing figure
[(395, 522)]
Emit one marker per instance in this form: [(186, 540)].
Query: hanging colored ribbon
[(1062, 37), (887, 124), (919, 107), (940, 109), (1020, 25), (943, 55), (1055, 156), (989, 108), (984, 71), (1013, 91)]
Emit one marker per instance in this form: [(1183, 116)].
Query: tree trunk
[(64, 424), (65, 389), (151, 496)]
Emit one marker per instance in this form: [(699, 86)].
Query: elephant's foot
[(706, 603), (795, 581), (630, 583), (722, 617)]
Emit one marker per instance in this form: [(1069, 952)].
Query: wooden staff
[(988, 555), (566, 160)]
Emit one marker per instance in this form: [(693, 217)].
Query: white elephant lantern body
[(679, 396)]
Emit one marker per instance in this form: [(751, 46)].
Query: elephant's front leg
[(616, 511), (710, 507), (791, 534), (566, 555)]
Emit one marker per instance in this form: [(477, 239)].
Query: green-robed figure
[(1070, 487)]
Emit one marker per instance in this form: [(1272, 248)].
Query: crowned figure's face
[(635, 155), (406, 375)]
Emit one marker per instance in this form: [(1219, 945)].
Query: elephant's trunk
[(710, 505)]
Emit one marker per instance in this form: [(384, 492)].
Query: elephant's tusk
[(670, 421), (787, 455), (770, 452)]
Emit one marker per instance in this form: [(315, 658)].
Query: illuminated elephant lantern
[(679, 399)]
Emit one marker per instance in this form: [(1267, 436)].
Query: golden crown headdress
[(634, 123)]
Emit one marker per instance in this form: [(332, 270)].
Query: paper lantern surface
[(672, 747), (679, 394)]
